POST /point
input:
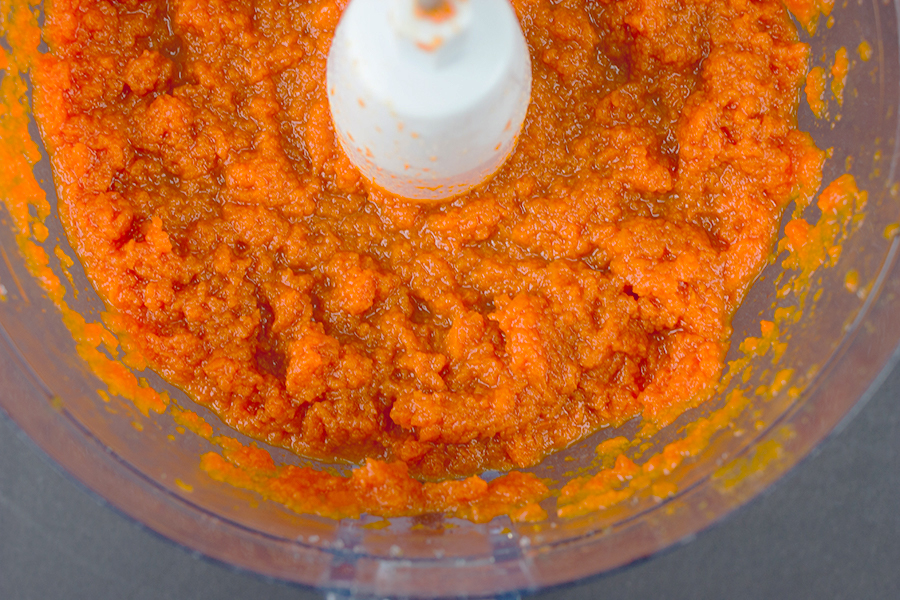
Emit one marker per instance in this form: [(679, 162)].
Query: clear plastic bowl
[(841, 349)]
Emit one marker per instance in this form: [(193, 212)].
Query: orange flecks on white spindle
[(428, 96)]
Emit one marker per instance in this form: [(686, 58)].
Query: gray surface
[(830, 529)]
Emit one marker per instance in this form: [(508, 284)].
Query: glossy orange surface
[(591, 281)]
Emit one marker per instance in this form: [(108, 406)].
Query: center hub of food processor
[(428, 96)]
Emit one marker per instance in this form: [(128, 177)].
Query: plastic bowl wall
[(838, 351)]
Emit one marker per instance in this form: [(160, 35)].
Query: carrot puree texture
[(591, 281)]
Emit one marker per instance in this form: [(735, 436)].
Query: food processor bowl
[(837, 351)]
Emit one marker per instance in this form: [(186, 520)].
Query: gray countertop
[(829, 529)]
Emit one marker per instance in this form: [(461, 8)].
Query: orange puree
[(865, 51), (591, 281), (815, 91), (839, 74), (808, 12)]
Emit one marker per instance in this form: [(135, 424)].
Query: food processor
[(846, 336)]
